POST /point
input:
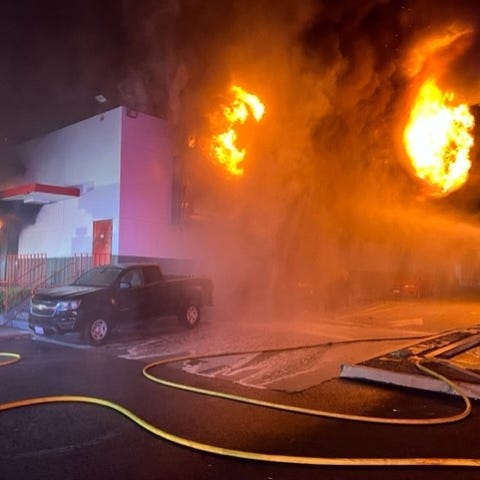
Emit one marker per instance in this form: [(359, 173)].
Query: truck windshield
[(98, 277)]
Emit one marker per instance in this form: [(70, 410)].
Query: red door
[(102, 242)]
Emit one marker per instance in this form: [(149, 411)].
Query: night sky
[(47, 76), (56, 56)]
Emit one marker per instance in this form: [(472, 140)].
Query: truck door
[(131, 293), (154, 290)]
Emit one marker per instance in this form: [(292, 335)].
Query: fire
[(438, 138), (191, 141), (223, 146)]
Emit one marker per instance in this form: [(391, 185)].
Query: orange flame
[(223, 146), (438, 138)]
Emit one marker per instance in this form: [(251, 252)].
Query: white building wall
[(146, 227), (85, 155)]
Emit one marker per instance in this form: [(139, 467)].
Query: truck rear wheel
[(189, 315), (96, 331)]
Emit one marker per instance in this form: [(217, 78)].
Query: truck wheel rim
[(192, 315), (99, 329)]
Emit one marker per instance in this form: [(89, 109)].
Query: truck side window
[(151, 274), (134, 278)]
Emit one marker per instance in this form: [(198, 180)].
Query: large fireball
[(438, 139)]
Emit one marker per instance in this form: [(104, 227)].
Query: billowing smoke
[(326, 202), (14, 216)]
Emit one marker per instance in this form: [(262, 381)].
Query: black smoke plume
[(327, 206)]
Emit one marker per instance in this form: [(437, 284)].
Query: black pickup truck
[(97, 300)]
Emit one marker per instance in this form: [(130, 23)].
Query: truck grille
[(43, 308)]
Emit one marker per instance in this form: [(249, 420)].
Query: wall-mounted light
[(101, 98)]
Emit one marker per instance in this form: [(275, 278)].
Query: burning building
[(359, 166), (321, 146)]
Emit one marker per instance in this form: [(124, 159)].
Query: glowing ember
[(191, 141), (438, 139), (223, 147)]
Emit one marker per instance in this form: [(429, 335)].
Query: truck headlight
[(68, 305)]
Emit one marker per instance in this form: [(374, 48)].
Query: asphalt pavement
[(73, 440)]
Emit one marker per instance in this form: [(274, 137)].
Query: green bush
[(11, 296)]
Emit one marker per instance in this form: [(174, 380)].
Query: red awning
[(39, 193)]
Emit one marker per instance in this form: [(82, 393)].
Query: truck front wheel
[(96, 331), (189, 315)]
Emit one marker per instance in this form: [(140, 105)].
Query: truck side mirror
[(125, 284)]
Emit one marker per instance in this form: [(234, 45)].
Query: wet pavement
[(77, 441), (325, 340), (85, 441)]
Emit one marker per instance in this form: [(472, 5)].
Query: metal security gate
[(26, 270)]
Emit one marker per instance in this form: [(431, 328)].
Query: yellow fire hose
[(203, 447), (12, 358)]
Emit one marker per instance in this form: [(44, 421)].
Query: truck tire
[(97, 330), (189, 315)]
